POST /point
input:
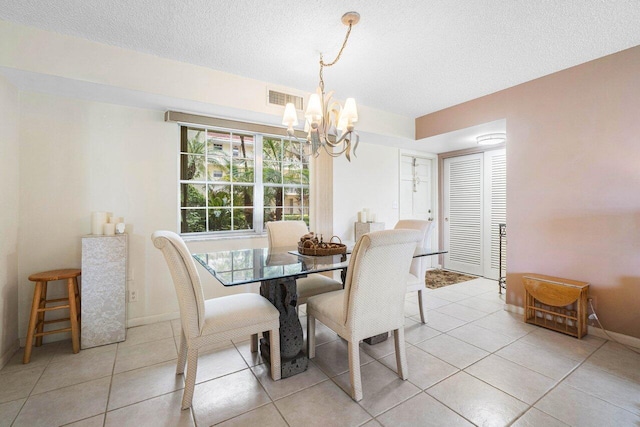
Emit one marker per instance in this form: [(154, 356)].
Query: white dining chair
[(372, 301), (416, 281), (206, 322), (288, 233)]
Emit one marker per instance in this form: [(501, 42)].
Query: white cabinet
[(103, 290)]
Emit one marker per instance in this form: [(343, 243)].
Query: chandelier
[(328, 124)]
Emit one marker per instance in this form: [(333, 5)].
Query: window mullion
[(258, 189), (212, 177)]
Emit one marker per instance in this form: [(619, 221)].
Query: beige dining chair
[(372, 301), (206, 322), (419, 265), (288, 233)]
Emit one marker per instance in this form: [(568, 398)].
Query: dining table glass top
[(241, 266)]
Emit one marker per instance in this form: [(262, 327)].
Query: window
[(235, 181)]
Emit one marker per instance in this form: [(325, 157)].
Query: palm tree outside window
[(235, 181)]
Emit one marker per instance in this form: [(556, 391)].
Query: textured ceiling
[(408, 57)]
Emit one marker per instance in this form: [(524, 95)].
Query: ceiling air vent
[(281, 98)]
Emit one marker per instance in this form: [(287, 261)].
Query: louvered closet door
[(495, 208), (463, 213)]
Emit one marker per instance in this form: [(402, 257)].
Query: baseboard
[(4, 359), (591, 330), (514, 309), (139, 321), (622, 339)]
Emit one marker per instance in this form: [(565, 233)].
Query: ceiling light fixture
[(491, 138), (329, 124)]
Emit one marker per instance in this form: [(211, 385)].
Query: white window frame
[(258, 186)]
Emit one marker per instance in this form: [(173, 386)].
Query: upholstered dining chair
[(419, 265), (372, 301), (206, 322), (288, 233)]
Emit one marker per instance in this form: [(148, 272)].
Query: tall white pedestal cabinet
[(103, 290)]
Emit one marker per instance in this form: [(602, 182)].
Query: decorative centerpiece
[(310, 245)]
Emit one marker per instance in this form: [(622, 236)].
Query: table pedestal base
[(376, 339), (282, 294), (289, 366)]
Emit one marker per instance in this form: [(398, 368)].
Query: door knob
[(446, 219)]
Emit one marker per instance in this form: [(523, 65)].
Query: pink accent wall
[(573, 179)]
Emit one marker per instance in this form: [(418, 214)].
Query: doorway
[(416, 192), (416, 188)]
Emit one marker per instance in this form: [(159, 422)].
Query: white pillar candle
[(363, 216), (98, 219), (109, 229)]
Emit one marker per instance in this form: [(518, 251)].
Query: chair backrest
[(185, 279), (285, 233), (376, 281), (418, 265)]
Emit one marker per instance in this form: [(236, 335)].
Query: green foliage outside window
[(217, 173)]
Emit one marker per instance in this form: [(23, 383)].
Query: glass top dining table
[(242, 266), (277, 271)]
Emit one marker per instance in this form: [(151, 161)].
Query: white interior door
[(463, 213), (415, 188), (495, 207), (475, 202)]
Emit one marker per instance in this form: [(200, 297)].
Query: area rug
[(435, 279)]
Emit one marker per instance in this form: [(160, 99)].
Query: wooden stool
[(39, 308)]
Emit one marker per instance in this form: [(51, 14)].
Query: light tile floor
[(472, 364)]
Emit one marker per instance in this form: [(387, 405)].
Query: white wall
[(78, 154), (9, 185), (82, 156), (370, 180), (46, 55)]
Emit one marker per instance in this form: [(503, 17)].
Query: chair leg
[(182, 353), (401, 353), (274, 345), (78, 306), (311, 336), (33, 319), (190, 380), (41, 306), (254, 343), (422, 304), (354, 371), (73, 316)]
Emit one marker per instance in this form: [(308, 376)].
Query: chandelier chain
[(323, 64)]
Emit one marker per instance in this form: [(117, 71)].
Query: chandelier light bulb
[(350, 111), (290, 117), (314, 109)]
